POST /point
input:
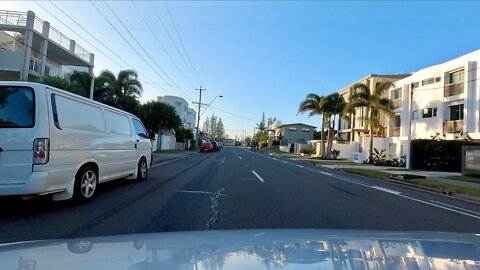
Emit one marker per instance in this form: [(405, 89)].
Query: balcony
[(453, 126), (394, 132), (16, 21), (453, 89)]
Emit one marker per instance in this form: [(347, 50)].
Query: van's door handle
[(138, 140), (135, 145)]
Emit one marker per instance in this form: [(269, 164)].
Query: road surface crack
[(213, 206)]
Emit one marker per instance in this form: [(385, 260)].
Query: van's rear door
[(18, 129)]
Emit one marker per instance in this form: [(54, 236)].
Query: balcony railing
[(453, 89), (394, 132), (453, 126), (82, 53), (13, 18)]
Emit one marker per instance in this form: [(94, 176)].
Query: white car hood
[(250, 249)]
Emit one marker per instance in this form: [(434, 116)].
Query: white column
[(471, 106), (27, 47), (44, 47)]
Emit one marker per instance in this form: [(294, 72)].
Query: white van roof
[(33, 84)]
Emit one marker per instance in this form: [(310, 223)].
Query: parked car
[(215, 146), (77, 143), (207, 147)]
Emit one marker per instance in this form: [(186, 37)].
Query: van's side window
[(139, 129), (17, 107), (55, 113)]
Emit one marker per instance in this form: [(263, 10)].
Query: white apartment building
[(441, 100), (438, 101), (187, 115), (191, 118), (31, 48)]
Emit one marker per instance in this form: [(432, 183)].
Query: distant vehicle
[(55, 142), (207, 147), (215, 146)]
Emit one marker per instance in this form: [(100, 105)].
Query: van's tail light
[(41, 151)]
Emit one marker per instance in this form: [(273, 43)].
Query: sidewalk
[(432, 175), (158, 158)]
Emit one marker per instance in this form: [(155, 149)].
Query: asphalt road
[(237, 189)]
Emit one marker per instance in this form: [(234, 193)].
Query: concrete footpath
[(164, 157)]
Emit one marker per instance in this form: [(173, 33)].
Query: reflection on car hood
[(250, 249)]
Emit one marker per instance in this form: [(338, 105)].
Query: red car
[(207, 147)]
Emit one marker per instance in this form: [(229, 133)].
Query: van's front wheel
[(86, 182), (142, 170)]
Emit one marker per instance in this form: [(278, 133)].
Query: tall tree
[(156, 115), (220, 129), (315, 105), (213, 126), (371, 99), (334, 106), (206, 124), (261, 126)]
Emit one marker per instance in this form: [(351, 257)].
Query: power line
[(138, 43), (173, 42), (233, 114), (102, 52), (145, 51), (159, 43), (181, 41), (120, 34)]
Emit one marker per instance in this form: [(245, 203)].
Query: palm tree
[(125, 84), (334, 105), (362, 96), (315, 105)]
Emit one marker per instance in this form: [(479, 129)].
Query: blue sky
[(266, 56)]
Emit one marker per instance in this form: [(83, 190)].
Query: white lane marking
[(386, 190), (258, 234), (326, 173), (221, 162), (448, 205), (258, 176), (300, 166), (240, 157), (284, 162), (274, 158), (439, 206), (166, 162)]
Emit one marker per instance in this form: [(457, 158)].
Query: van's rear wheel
[(86, 182), (142, 170)]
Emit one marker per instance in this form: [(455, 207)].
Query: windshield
[(176, 116), (17, 107)]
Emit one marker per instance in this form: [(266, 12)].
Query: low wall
[(346, 149), (284, 148)]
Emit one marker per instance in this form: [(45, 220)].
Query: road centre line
[(258, 176), (387, 190), (240, 157)]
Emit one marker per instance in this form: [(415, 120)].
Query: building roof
[(396, 77), (297, 124)]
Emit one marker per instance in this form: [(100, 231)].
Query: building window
[(437, 79), (292, 128), (456, 112), (415, 115), (305, 129), (429, 112), (34, 65), (457, 76), (396, 93), (415, 85), (177, 103), (428, 81), (47, 71)]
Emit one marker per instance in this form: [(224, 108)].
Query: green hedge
[(438, 155)]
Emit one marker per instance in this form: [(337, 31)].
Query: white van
[(55, 142)]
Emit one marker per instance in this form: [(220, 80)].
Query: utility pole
[(198, 115), (408, 161)]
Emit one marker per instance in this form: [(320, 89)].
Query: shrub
[(263, 144), (437, 154), (335, 153), (306, 151)]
